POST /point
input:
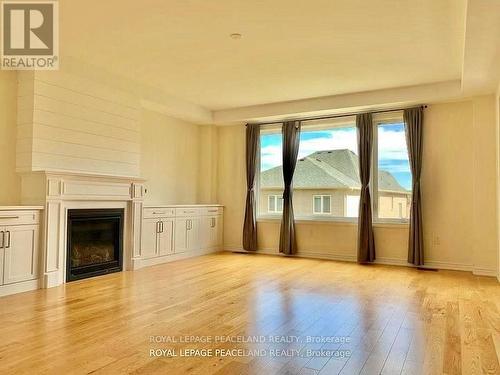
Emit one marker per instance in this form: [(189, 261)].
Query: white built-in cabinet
[(19, 249), (157, 237), (177, 230)]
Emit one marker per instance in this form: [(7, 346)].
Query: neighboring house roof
[(337, 169)]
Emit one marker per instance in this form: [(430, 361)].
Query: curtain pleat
[(291, 135), (366, 241), (413, 118), (250, 223)]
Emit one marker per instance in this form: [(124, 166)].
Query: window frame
[(276, 198), (326, 124), (322, 198), (272, 129), (382, 119)]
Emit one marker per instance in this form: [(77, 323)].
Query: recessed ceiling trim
[(379, 99)]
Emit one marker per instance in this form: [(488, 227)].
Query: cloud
[(393, 154), (392, 144), (333, 140), (270, 156)]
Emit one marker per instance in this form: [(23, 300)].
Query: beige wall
[(177, 160), (459, 190), (207, 155), (485, 184), (10, 183), (497, 101)]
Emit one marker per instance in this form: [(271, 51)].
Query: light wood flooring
[(361, 319)]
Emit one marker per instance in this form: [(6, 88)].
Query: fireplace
[(95, 242)]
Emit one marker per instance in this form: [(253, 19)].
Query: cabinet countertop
[(21, 208), (181, 205)]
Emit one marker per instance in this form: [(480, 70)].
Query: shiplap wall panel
[(71, 96), (83, 112), (82, 151), (62, 163), (88, 87), (58, 121), (68, 123), (100, 141)]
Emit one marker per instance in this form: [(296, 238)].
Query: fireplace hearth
[(95, 242)]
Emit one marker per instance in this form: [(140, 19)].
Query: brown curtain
[(250, 225), (413, 118), (291, 134), (366, 242)]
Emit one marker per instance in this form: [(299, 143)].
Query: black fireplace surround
[(95, 242)]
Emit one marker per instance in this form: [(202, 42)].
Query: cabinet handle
[(161, 226), (3, 238), (9, 217), (158, 213), (8, 239), (157, 227)]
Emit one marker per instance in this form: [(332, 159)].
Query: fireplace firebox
[(95, 242)]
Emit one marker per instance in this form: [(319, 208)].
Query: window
[(322, 204), (392, 188), (352, 205), (327, 168), (326, 182), (270, 181), (274, 204)]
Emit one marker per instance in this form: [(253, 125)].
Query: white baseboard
[(484, 272), (140, 263), (20, 287), (381, 260), (302, 254)]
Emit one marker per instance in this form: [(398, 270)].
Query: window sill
[(333, 220)]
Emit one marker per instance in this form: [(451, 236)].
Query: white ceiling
[(290, 50)]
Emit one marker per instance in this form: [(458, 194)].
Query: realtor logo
[(30, 35)]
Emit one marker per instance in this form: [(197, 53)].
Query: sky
[(393, 156)]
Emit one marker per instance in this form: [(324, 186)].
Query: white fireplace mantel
[(58, 192)]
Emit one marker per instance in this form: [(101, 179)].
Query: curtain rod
[(330, 116)]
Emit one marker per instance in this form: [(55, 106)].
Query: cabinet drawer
[(151, 213), (212, 211), (188, 211), (19, 217)]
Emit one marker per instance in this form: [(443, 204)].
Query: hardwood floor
[(360, 319)]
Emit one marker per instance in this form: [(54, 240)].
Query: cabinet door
[(193, 235), (20, 253), (209, 227), (206, 232), (218, 232), (181, 234), (2, 237), (149, 238), (165, 237)]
